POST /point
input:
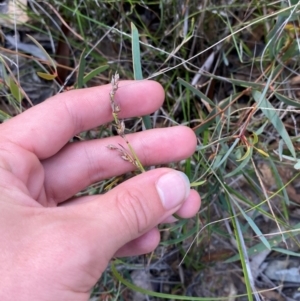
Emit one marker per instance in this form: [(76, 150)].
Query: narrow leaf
[(52, 62), (15, 90), (273, 242), (288, 101), (137, 67), (241, 167), (4, 116), (262, 152), (242, 250), (240, 83), (46, 76), (286, 252), (182, 237), (273, 117), (278, 180), (195, 91), (247, 153), (256, 230), (211, 117), (94, 73), (255, 138), (81, 70), (254, 227), (297, 165), (136, 55), (227, 154), (261, 129), (199, 183)]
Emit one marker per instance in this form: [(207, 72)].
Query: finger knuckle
[(134, 209)]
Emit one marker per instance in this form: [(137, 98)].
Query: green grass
[(230, 73)]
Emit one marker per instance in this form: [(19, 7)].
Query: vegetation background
[(230, 70)]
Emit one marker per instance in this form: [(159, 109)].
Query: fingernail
[(173, 188)]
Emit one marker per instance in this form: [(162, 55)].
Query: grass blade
[(94, 73), (211, 117), (217, 164), (136, 54), (274, 241), (15, 90), (242, 251), (46, 76), (279, 181), (81, 68), (270, 112), (255, 228), (195, 91), (4, 116), (137, 67), (240, 167), (288, 101), (52, 62)]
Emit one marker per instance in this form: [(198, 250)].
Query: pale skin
[(55, 246)]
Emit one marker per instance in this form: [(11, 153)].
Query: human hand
[(55, 247)]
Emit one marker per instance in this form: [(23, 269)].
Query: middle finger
[(80, 164)]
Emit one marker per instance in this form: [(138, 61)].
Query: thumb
[(138, 205)]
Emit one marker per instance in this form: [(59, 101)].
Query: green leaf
[(280, 149), (254, 227), (52, 62), (240, 83), (245, 200), (46, 76), (81, 68), (272, 36), (4, 116), (182, 237), (256, 230), (286, 252), (227, 154), (211, 117), (246, 154), (260, 130), (198, 183), (294, 2), (241, 248), (278, 180), (270, 112), (15, 90), (136, 55), (137, 67), (195, 91), (288, 101), (147, 122), (187, 168), (274, 241), (94, 73), (241, 166), (297, 165)]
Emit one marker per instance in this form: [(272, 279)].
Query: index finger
[(47, 127)]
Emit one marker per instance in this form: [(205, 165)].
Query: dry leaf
[(15, 13)]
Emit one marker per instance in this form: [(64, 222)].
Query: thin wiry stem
[(127, 155)]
